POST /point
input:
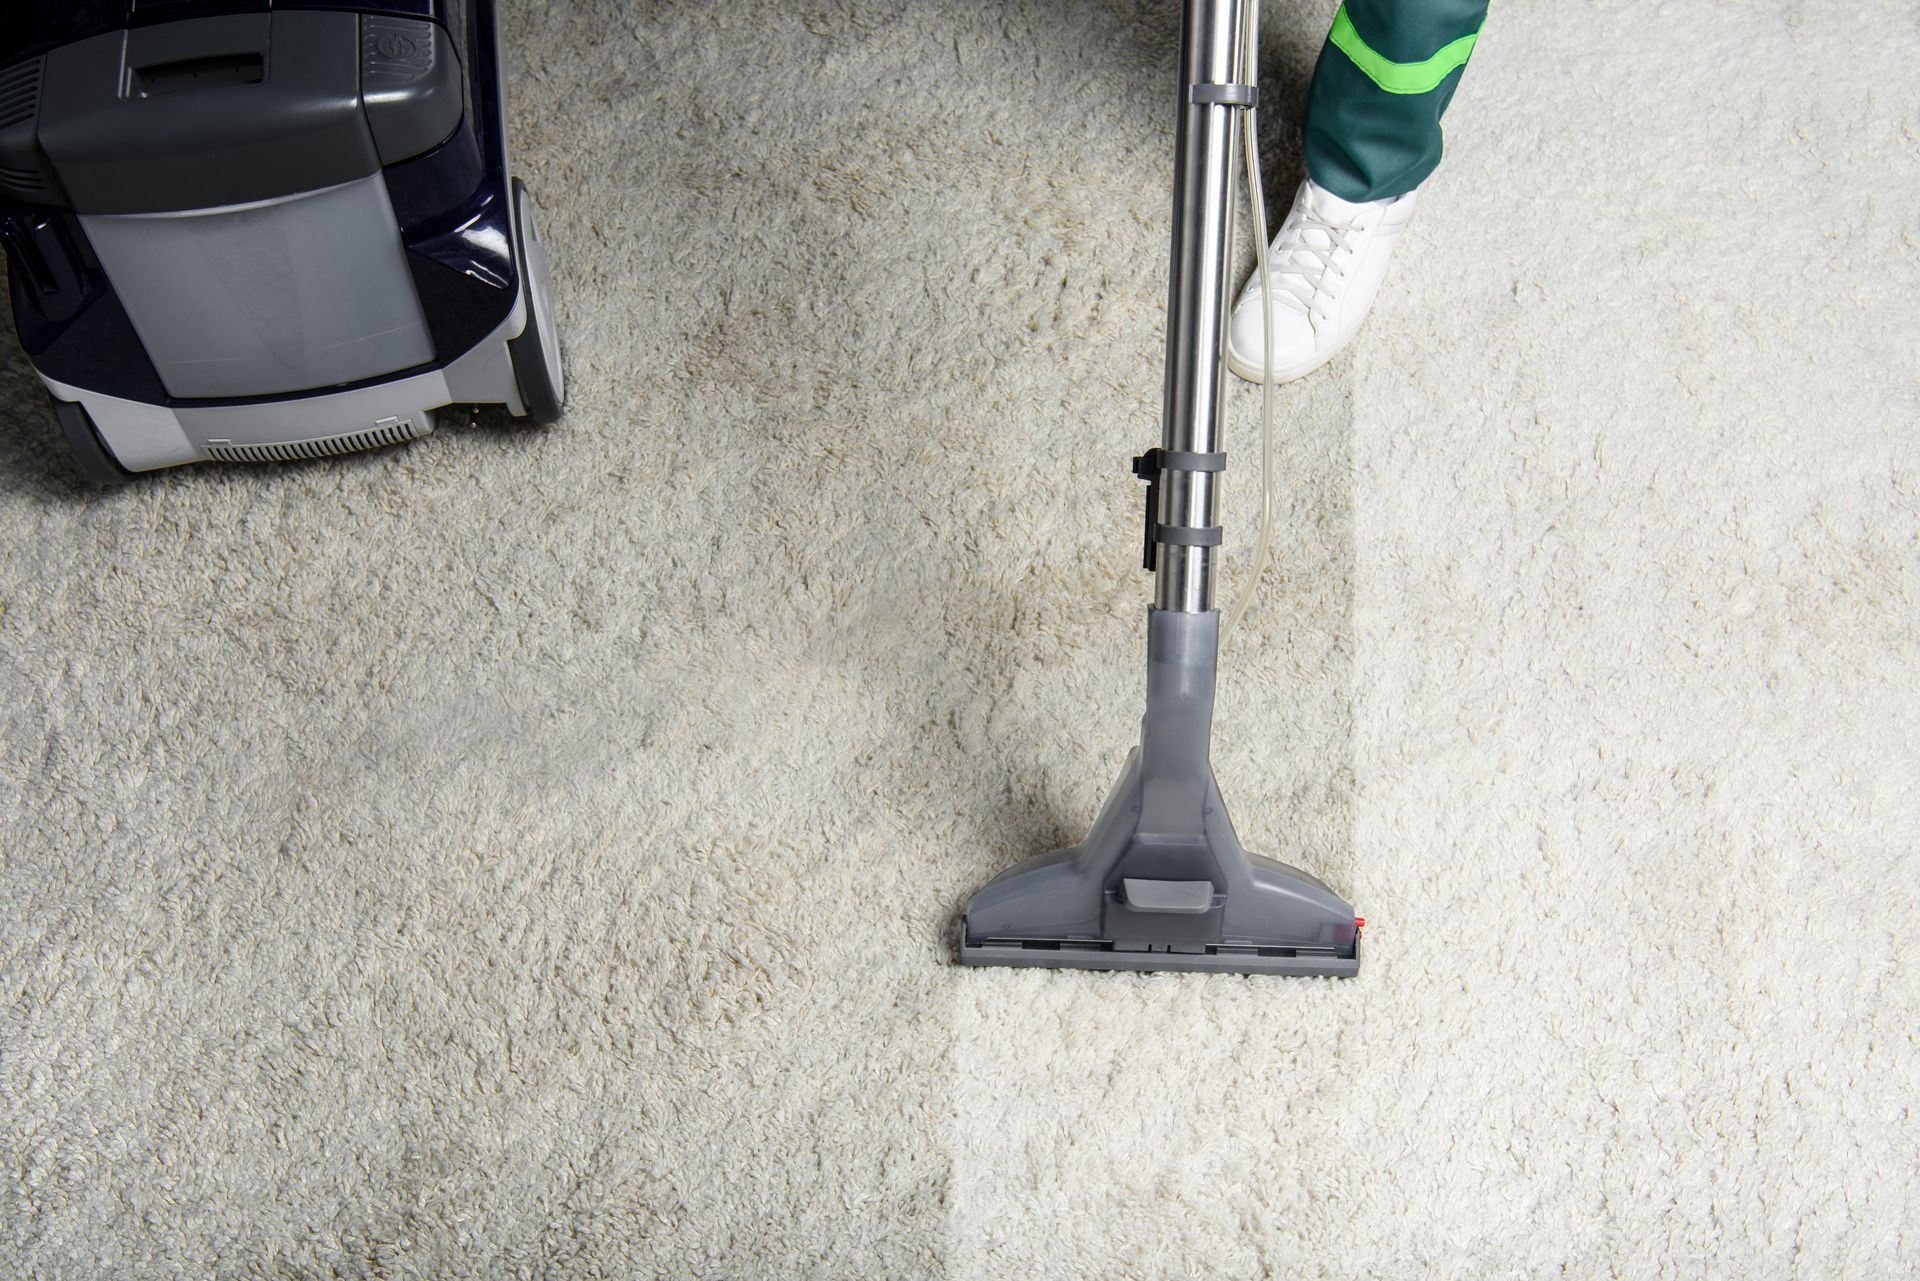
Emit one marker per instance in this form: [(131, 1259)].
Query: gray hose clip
[(1148, 467), (1224, 95)]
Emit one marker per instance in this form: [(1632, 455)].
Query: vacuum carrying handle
[(180, 57)]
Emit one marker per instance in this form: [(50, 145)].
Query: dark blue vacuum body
[(254, 231)]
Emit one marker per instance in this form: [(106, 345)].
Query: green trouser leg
[(1386, 74)]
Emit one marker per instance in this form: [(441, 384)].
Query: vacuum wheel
[(536, 352), (83, 442)]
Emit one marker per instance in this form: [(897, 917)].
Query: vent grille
[(20, 92), (388, 431)]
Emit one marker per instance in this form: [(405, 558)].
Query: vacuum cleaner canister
[(255, 232)]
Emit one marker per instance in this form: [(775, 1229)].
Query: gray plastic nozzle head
[(1161, 882)]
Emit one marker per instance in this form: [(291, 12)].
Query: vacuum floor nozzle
[(1161, 882)]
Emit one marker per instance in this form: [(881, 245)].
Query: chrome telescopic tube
[(1205, 151)]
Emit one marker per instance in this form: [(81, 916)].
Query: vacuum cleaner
[(1161, 882), (262, 230)]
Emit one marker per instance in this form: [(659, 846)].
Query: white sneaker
[(1327, 264)]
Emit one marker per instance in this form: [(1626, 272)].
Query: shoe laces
[(1308, 252)]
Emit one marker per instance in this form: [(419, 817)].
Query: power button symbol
[(393, 46)]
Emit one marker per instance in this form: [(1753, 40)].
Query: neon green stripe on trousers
[(1399, 77)]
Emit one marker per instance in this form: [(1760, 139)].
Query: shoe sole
[(1256, 375)]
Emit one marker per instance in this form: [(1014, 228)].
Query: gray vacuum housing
[(266, 235)]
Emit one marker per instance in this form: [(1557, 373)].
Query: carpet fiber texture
[(536, 853)]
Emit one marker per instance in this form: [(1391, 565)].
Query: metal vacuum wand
[(1204, 161), (1161, 881)]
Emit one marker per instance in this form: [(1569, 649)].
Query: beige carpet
[(535, 854)]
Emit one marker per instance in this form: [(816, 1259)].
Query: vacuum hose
[(1250, 136)]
